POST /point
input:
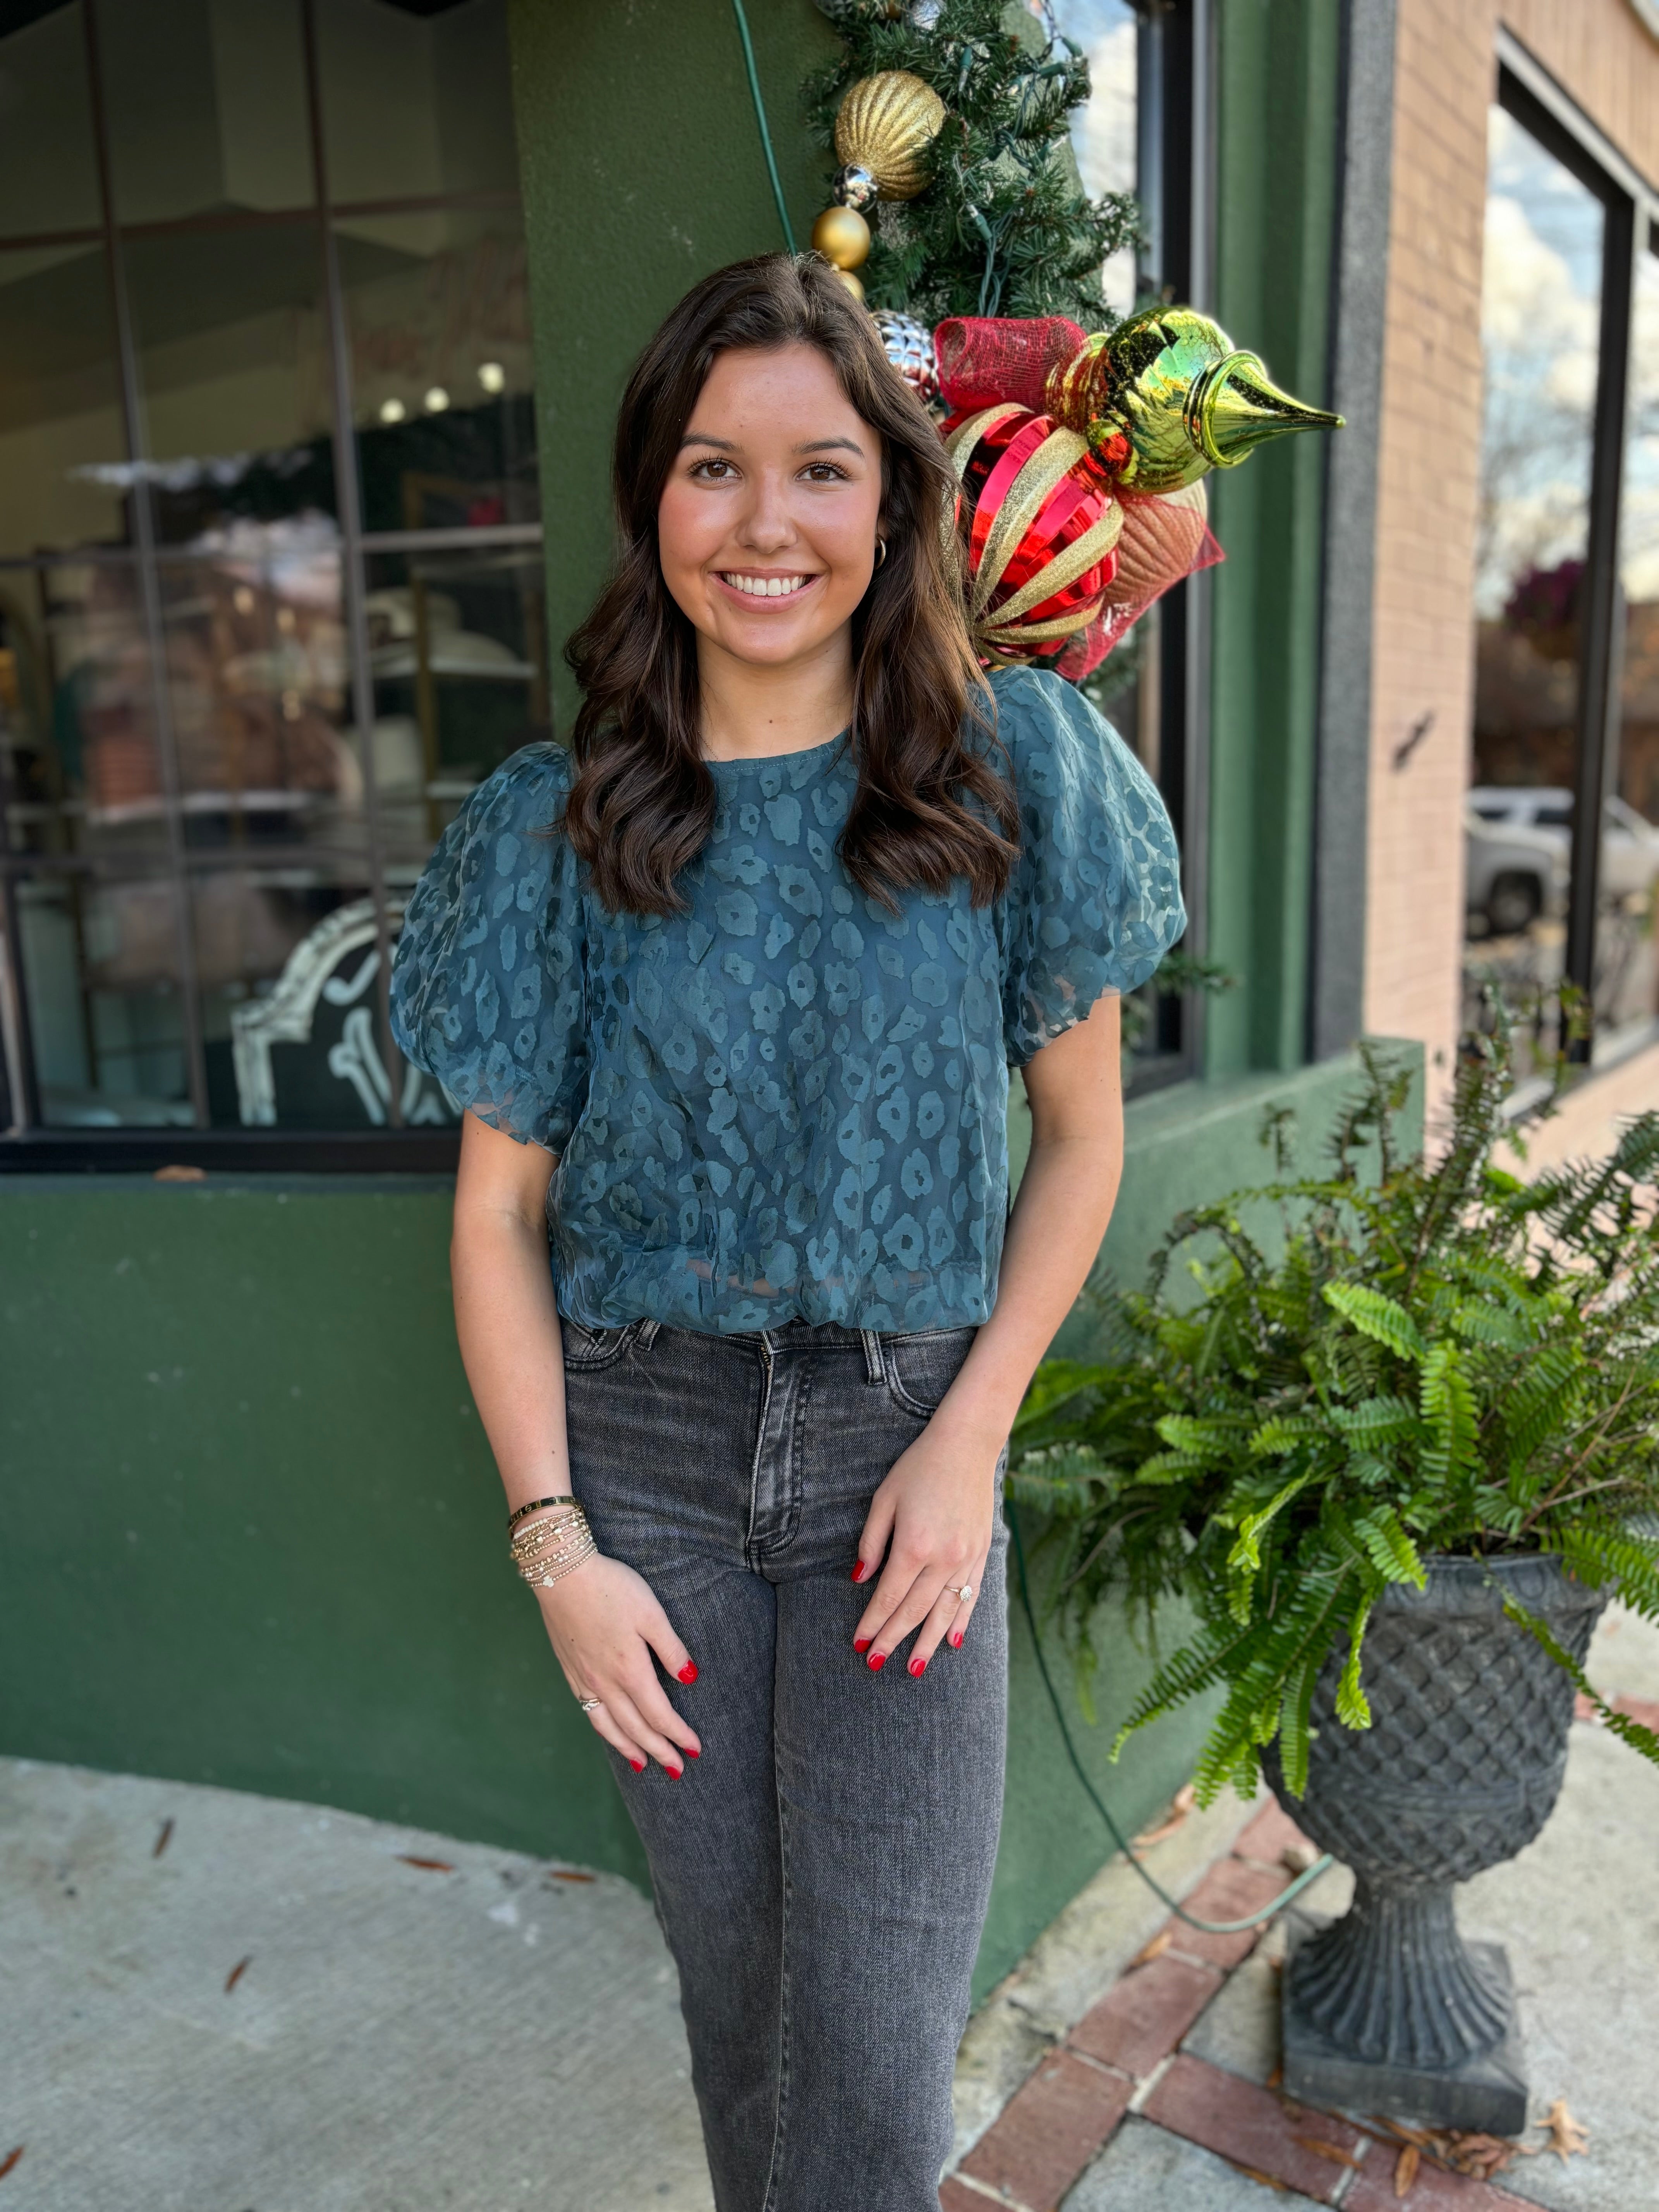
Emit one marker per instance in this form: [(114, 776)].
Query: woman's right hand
[(604, 1623)]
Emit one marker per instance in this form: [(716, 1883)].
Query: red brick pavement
[(1049, 2131), (1141, 2019), (1056, 2124), (1252, 2127), (1433, 2191)]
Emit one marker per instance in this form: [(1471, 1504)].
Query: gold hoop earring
[(881, 550)]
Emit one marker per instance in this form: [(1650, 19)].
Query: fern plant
[(1435, 1357)]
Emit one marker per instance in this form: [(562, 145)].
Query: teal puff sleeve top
[(784, 1100)]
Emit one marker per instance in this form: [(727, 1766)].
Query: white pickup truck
[(1519, 846)]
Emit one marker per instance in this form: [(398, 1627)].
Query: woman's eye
[(715, 471), (825, 472)]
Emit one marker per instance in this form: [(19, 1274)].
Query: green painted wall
[(252, 1533), (1278, 65), (642, 170)]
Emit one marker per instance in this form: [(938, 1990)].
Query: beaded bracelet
[(542, 1573)]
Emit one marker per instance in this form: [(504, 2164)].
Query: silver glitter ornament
[(908, 345), (854, 188)]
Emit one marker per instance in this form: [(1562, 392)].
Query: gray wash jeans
[(822, 1872)]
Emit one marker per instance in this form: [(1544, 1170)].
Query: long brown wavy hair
[(930, 804)]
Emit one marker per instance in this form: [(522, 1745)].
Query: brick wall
[(1445, 78)]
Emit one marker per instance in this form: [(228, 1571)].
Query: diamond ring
[(964, 1593), (589, 1704)]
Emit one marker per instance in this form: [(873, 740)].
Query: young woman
[(730, 993)]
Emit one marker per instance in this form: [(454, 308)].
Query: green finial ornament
[(1166, 397)]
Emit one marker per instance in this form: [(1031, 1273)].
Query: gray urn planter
[(1387, 2010)]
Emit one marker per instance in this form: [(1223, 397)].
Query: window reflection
[(255, 689), (459, 662), (1540, 309), (295, 1036), (256, 660), (190, 806), (438, 306), (233, 363), (417, 101), (1104, 131), (206, 108), (100, 963), (1626, 959), (49, 175), (62, 437), (81, 737)]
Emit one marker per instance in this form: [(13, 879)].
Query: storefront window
[(1626, 955), (241, 693), (1567, 579), (1541, 317)]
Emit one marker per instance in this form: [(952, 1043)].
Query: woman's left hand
[(933, 1517)]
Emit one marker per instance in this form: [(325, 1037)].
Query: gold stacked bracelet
[(552, 1545)]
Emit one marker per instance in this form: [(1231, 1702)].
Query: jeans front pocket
[(920, 1367), (587, 1349)]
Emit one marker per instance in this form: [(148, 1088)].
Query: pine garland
[(1003, 228)]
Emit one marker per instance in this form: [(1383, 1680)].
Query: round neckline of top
[(777, 760)]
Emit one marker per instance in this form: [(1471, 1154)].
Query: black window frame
[(27, 1144), (1526, 92)]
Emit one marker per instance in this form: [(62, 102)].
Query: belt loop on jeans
[(648, 1334), (874, 1371)]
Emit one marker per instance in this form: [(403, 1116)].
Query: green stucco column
[(1279, 99), (642, 170)]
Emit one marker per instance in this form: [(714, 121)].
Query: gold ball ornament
[(886, 125), (846, 276), (842, 235)]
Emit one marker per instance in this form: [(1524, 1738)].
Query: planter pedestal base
[(1484, 2095)]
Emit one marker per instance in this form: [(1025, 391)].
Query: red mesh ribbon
[(984, 359), (1165, 537)]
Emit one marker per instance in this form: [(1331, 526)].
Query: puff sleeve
[(1095, 902), (487, 979)]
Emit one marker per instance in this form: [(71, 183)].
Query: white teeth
[(767, 587)]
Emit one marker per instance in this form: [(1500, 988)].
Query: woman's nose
[(768, 525)]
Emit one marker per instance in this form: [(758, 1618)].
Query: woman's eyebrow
[(702, 438), (829, 445)]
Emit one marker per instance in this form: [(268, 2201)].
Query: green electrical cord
[(1207, 1927), (760, 118)]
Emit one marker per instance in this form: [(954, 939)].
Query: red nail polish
[(858, 1571), (878, 1660), (861, 1643), (673, 1772), (956, 1640), (918, 1666), (638, 1766), (692, 1752), (688, 1671)]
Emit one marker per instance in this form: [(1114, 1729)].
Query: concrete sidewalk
[(268, 2007)]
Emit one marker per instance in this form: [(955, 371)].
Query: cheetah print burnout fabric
[(784, 1100)]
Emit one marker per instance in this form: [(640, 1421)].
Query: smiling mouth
[(764, 586)]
